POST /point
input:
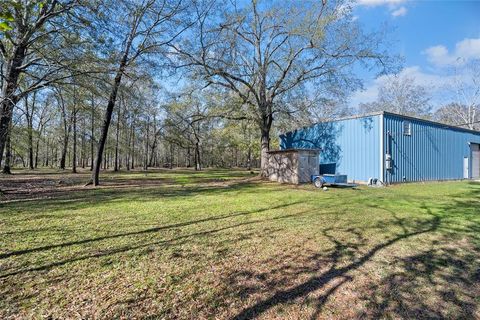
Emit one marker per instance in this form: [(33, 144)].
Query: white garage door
[(475, 148)]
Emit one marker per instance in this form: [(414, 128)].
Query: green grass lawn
[(221, 244)]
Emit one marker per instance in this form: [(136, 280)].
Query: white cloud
[(374, 3), (468, 48), (425, 79), (399, 12), (369, 94), (394, 6), (438, 55), (465, 50)]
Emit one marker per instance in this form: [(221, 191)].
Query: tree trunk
[(9, 99), (115, 168), (133, 144), (145, 163), (29, 115), (47, 153), (265, 144), (41, 126), (55, 156), (152, 154), (92, 131), (8, 152), (105, 156), (82, 145), (264, 148), (37, 146), (67, 127), (63, 157), (236, 157), (108, 114), (471, 116), (154, 143), (153, 151), (129, 144), (198, 163), (74, 158), (178, 157)]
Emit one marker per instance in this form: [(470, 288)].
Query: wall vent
[(407, 128)]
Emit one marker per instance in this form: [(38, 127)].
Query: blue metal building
[(391, 147)]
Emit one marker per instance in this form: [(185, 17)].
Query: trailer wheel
[(318, 182)]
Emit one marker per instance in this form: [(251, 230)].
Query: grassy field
[(221, 244)]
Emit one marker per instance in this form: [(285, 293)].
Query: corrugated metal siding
[(432, 152), (353, 144)]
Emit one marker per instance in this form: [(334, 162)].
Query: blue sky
[(430, 35)]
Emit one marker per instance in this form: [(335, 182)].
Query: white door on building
[(475, 151), (466, 172)]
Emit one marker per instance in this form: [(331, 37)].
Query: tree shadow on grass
[(176, 240), (441, 279), (439, 283), (337, 271), (145, 231), (91, 198), (447, 270)]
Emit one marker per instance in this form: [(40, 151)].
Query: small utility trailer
[(333, 180)]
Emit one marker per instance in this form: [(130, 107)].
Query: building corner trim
[(382, 147)]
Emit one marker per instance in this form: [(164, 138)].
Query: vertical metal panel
[(353, 144), (432, 152)]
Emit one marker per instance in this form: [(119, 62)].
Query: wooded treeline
[(60, 129), (122, 85)]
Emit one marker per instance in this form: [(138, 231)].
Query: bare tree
[(465, 89), (264, 52), (44, 118), (67, 119), (75, 110), (401, 94), (184, 126), (29, 111), (458, 115), (148, 27)]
